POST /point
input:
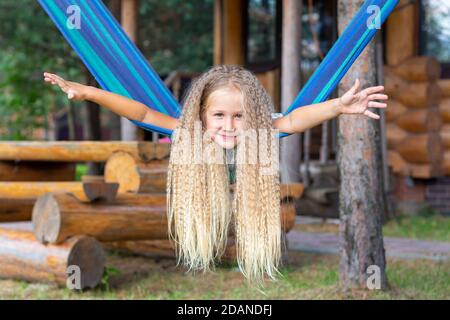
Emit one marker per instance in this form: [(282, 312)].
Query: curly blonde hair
[(200, 204)]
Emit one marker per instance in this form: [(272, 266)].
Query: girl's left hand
[(354, 102)]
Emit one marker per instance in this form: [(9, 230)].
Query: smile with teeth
[(227, 137)]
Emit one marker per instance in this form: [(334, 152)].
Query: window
[(435, 32), (319, 32), (263, 34)]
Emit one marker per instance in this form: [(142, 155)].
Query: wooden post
[(129, 23), (402, 32), (229, 32), (360, 164), (290, 85)]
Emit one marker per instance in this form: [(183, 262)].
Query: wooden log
[(57, 217), (81, 151), (165, 249), (394, 109), (159, 249), (12, 210), (418, 68), (141, 199), (401, 33), (24, 258), (422, 149), (394, 135), (444, 107), (421, 171), (36, 171), (421, 120), (291, 191), (445, 135), (446, 163), (136, 176), (83, 191), (444, 84), (412, 94)]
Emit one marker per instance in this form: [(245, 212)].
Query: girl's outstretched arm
[(121, 105), (352, 102)]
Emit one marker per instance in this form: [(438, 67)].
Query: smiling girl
[(224, 104)]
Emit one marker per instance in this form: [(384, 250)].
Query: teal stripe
[(330, 83), (100, 39), (156, 79), (93, 58), (136, 75)]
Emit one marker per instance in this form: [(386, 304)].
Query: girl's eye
[(218, 114), (239, 116)]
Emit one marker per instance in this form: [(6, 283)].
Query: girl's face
[(223, 117)]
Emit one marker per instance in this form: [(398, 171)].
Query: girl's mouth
[(226, 137)]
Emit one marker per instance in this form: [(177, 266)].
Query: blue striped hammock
[(119, 67)]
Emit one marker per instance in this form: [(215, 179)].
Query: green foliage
[(30, 45), (427, 225), (109, 271), (177, 35), (80, 171)]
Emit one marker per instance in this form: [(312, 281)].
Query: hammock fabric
[(119, 67)]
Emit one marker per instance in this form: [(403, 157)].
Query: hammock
[(119, 67)]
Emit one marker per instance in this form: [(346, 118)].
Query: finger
[(355, 87), (50, 80), (372, 90), (71, 94), (373, 104), (372, 115), (378, 97)]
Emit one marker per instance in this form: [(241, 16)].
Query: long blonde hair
[(200, 205)]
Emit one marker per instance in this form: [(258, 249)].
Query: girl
[(225, 106)]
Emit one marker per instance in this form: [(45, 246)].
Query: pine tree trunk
[(129, 131), (93, 126), (360, 165), (115, 7), (290, 146)]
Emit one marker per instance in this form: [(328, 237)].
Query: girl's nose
[(229, 124)]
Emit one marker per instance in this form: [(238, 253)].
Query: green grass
[(307, 276), (427, 225), (80, 170)]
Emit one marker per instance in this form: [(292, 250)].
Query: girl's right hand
[(74, 90)]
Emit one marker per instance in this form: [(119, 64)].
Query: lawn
[(424, 226), (306, 276)]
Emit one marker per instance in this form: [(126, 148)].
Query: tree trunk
[(93, 126), (115, 7), (360, 165), (290, 146), (129, 131)]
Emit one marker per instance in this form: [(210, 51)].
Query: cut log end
[(46, 219), (88, 255)]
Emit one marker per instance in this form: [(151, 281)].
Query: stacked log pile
[(414, 119), (444, 107), (32, 176), (72, 222)]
